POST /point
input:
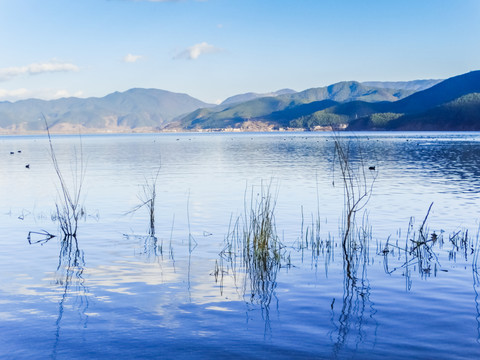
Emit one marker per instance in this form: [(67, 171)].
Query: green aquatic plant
[(259, 231), (252, 248)]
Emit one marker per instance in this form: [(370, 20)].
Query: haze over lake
[(409, 290)]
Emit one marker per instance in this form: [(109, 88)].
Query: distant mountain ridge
[(415, 85), (119, 111), (251, 95), (451, 104)]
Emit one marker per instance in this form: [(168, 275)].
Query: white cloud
[(194, 52), (13, 94), (45, 94), (130, 58), (36, 68)]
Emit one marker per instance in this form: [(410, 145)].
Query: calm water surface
[(115, 292)]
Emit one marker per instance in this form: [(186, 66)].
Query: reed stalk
[(147, 197), (68, 209), (357, 192)]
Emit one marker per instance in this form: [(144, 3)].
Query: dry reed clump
[(420, 251), (358, 187), (147, 197), (68, 210)]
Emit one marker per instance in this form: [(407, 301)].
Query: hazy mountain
[(348, 91), (135, 108), (414, 85), (251, 96), (230, 116)]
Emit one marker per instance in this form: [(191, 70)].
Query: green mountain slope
[(285, 110), (449, 105), (447, 90), (462, 113)]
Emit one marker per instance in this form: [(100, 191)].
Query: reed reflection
[(69, 277), (357, 313)]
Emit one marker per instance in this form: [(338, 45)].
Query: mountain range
[(451, 104), (132, 110)]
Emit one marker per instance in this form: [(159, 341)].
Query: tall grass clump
[(68, 208), (259, 232), (252, 246)]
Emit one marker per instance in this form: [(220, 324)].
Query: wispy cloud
[(164, 0), (130, 58), (156, 0), (36, 68), (194, 52), (45, 94)]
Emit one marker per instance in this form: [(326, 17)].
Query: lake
[(403, 283)]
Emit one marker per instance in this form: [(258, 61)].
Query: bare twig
[(147, 199)]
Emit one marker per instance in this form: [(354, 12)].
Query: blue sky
[(213, 49)]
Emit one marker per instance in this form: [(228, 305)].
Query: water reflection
[(476, 285), (357, 312), (69, 276), (476, 280), (141, 283)]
